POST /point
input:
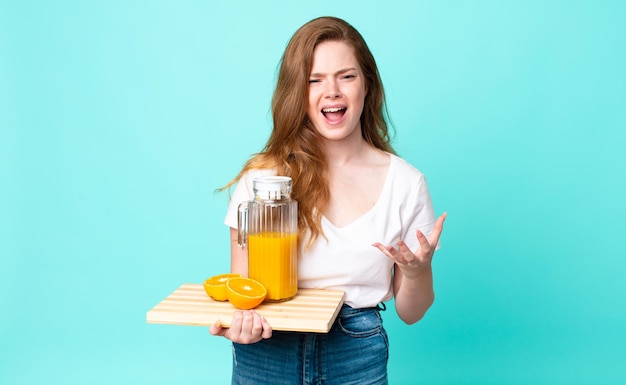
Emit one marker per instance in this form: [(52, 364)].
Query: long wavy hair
[(294, 146)]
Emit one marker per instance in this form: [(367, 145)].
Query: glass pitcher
[(269, 226)]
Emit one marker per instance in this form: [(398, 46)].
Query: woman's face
[(336, 91)]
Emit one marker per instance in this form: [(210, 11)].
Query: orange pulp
[(215, 286), (245, 293)]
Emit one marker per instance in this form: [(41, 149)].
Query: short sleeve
[(242, 193), (419, 212)]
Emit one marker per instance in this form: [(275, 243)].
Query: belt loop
[(381, 306)]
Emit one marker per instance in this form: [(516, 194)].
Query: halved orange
[(215, 286), (245, 293)]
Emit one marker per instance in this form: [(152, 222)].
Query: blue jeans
[(354, 351)]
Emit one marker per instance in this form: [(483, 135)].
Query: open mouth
[(334, 114)]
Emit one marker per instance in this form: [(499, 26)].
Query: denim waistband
[(348, 310)]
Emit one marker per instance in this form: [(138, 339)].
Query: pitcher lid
[(272, 187)]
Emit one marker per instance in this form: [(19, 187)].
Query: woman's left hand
[(413, 265)]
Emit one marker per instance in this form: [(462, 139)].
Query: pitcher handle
[(242, 225)]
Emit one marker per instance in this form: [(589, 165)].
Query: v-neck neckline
[(383, 191)]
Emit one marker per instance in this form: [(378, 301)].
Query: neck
[(339, 153)]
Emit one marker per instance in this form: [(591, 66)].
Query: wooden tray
[(311, 310)]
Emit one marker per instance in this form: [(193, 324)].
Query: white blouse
[(345, 259)]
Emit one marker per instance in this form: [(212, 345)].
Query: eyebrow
[(340, 72)]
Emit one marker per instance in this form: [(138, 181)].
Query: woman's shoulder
[(253, 173), (400, 166), (408, 183)]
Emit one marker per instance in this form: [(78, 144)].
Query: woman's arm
[(413, 297), (413, 276), (238, 255)]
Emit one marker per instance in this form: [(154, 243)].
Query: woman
[(363, 215)]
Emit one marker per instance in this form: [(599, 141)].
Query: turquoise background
[(119, 119)]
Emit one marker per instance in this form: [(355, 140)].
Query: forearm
[(414, 296), (238, 255)]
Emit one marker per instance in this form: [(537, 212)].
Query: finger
[(384, 250), (437, 229), (247, 322), (248, 335), (235, 326), (257, 326), (403, 256), (425, 245), (405, 253), (267, 328), (217, 329)]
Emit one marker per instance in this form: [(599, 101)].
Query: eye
[(311, 81), (351, 76)]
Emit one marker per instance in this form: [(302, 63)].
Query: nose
[(332, 89)]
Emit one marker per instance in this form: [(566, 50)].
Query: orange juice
[(272, 261)]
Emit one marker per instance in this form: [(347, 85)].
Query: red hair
[(293, 148)]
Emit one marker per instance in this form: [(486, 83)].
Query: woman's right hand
[(247, 327)]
